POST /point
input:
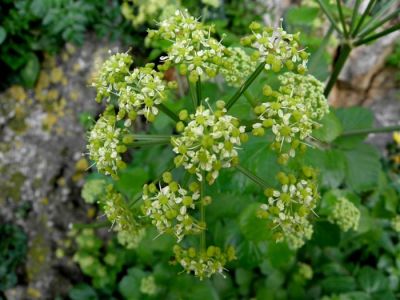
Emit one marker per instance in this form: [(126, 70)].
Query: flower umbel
[(289, 208), (209, 142), (193, 49), (292, 112), (277, 48), (122, 219), (204, 263), (106, 143), (345, 214), (169, 207)]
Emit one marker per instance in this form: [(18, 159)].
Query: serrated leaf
[(131, 181), (353, 118), (252, 227), (362, 168), (372, 280), (331, 128)]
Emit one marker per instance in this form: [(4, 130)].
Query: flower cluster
[(143, 90), (204, 263), (209, 142), (168, 207), (237, 66), (345, 214), (277, 48), (289, 208), (130, 232), (193, 49), (107, 142), (292, 112), (148, 285), (111, 75)]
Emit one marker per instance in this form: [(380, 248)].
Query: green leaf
[(302, 15), (338, 284), (131, 181), (372, 280), (129, 286), (3, 34), (353, 118), (326, 234), (82, 292), (280, 255), (330, 130), (30, 71), (330, 163), (363, 168), (252, 227)]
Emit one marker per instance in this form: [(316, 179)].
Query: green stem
[(342, 20), (151, 137), (378, 35), (91, 225), (168, 112), (384, 129), (354, 15), (151, 143), (192, 96), (252, 176), (245, 85), (198, 92), (330, 17), (250, 99), (344, 54), (363, 16), (369, 29), (202, 214)]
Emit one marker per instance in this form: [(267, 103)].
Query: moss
[(37, 254), (12, 188)]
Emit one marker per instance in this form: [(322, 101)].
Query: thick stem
[(344, 54), (252, 176), (168, 112), (245, 85), (385, 129), (378, 35)]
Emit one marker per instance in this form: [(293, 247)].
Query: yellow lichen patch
[(33, 293), (71, 49), (43, 82), (73, 95), (91, 213), (53, 95), (396, 137), (45, 201), (65, 56), (61, 181), (17, 92), (37, 254), (82, 165), (76, 68), (49, 61), (56, 75), (49, 121)]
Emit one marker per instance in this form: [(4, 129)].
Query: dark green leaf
[(372, 280), (30, 71), (330, 130), (338, 284), (3, 35)]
